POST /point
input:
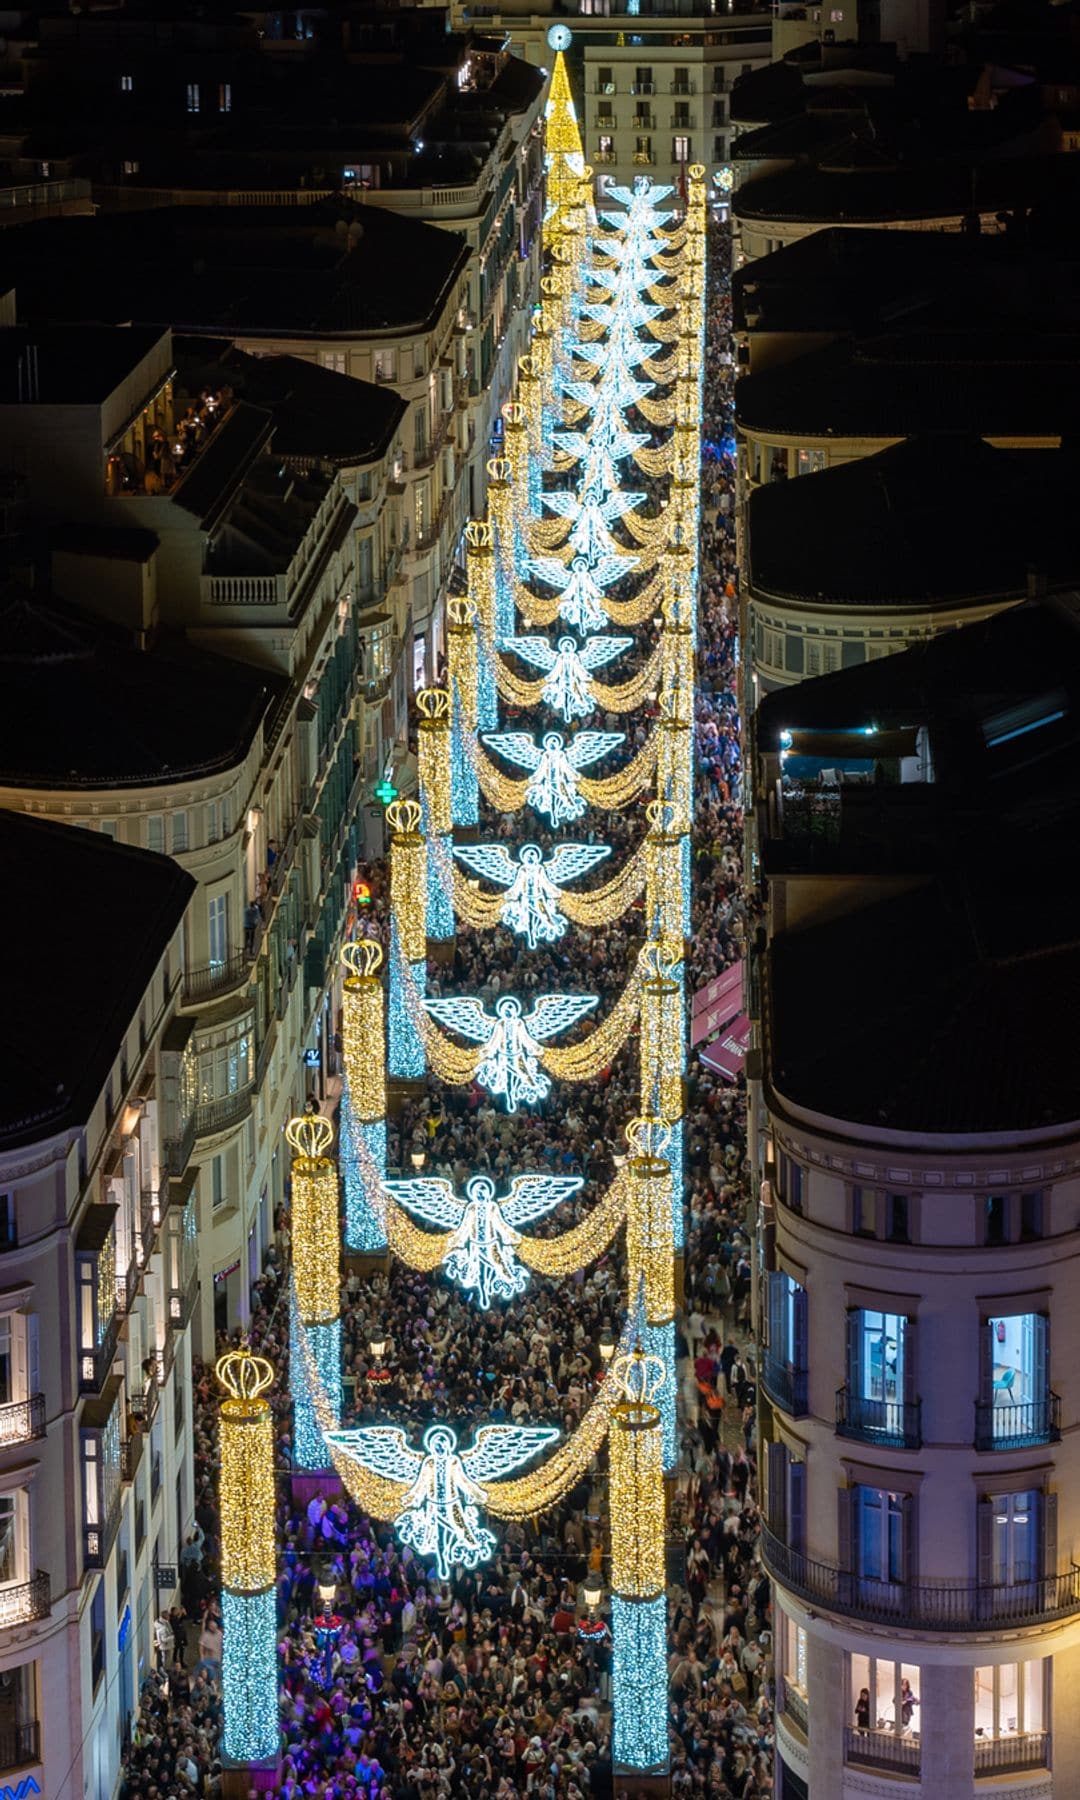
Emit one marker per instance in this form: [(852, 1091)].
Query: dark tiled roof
[(924, 522), (906, 1016), (70, 996), (896, 385), (239, 270), (945, 188), (318, 414), (83, 708), (79, 365)]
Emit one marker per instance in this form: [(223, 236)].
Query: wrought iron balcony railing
[(895, 1424)]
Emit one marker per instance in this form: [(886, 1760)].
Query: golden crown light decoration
[(480, 579), (462, 675), (315, 1299), (248, 1562), (363, 1101), (434, 768), (408, 936)]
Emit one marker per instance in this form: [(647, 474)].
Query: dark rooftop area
[(83, 708), (898, 384), (318, 414), (66, 1011), (78, 365), (926, 188), (237, 269), (926, 522)]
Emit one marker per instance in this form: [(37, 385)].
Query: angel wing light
[(440, 1513), (480, 1256), (531, 906), (554, 766), (510, 1066)]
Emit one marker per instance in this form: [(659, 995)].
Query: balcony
[(143, 1404), (643, 159), (895, 1424), (98, 1539), (178, 1150), (604, 156), (645, 122), (1018, 1423), (922, 1605), (214, 979), (1009, 1755), (785, 1385), (131, 1453), (21, 1420), (20, 1744), (643, 87), (182, 1301), (682, 90), (218, 1115), (795, 1707), (881, 1750), (94, 1365), (29, 1600)]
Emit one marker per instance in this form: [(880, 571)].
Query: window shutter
[(1040, 1358), (799, 1314), (777, 1495), (33, 1359), (986, 1363), (854, 1350), (845, 1511), (984, 1542), (909, 1513), (911, 1362), (776, 1314), (1048, 1547), (797, 1506)]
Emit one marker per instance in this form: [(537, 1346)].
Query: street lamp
[(418, 1159), (377, 1346), (606, 1345), (592, 1591)]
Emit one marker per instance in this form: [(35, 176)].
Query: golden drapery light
[(584, 1060), (408, 878), (316, 1235), (582, 1243), (363, 1009), (650, 1250), (433, 758), (461, 657), (246, 1478)]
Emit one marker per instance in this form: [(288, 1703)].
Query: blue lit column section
[(361, 1142), (362, 1119), (315, 1298), (324, 1345), (249, 1676), (639, 1684), (405, 1056), (638, 1565)]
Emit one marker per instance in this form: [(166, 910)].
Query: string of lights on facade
[(618, 331)]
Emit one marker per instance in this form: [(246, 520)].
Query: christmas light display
[(581, 585), (316, 1278), (434, 776), (650, 1253), (408, 935), (662, 1029), (531, 905), (639, 1684), (480, 1253), (568, 667), (509, 1065), (248, 1560), (480, 576), (553, 788), (439, 1516), (363, 1099), (461, 679)]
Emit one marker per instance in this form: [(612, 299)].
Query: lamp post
[(327, 1630), (378, 1373)]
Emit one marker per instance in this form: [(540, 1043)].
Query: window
[(420, 430), (786, 1476), (607, 148), (681, 113), (386, 365), (7, 1372), (334, 359), (643, 81), (810, 462), (9, 1540), (604, 82), (680, 149), (884, 1696), (224, 96), (997, 1221), (1010, 1699), (880, 1402), (217, 921), (1012, 1218), (155, 833), (127, 84), (107, 828), (225, 1062), (791, 1183), (785, 1367), (863, 1212), (131, 166), (881, 1549), (217, 1180), (1015, 1400), (179, 832), (643, 150), (194, 100), (795, 1655), (9, 1236), (896, 1219), (681, 83), (605, 114)]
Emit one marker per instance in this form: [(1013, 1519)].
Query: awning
[(717, 1002), (727, 1053)]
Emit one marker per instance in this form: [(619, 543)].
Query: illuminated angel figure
[(481, 1255), (440, 1514), (531, 902), (510, 1065), (568, 688), (554, 766), (581, 586)]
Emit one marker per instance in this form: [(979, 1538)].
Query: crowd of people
[(495, 1685)]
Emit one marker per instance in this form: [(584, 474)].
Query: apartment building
[(914, 1145), (235, 697), (655, 104), (97, 1245)]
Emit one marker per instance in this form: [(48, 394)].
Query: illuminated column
[(564, 158), (433, 768), (639, 1679), (531, 400), (315, 1301), (673, 769), (526, 472), (248, 1570), (501, 513), (408, 936), (662, 1030), (666, 901), (480, 574), (362, 1133), (461, 654), (651, 1257)]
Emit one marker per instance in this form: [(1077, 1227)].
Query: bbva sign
[(26, 1787)]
